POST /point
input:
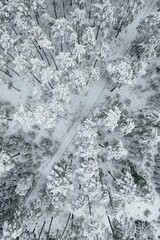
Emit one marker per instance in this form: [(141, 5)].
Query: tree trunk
[(110, 199), (95, 63), (15, 155), (49, 228), (90, 11), (38, 50), (64, 12), (54, 62), (94, 22), (50, 85), (111, 175), (78, 36), (35, 77), (16, 33), (46, 57), (101, 145), (71, 3), (7, 53), (110, 224), (114, 87), (14, 30), (89, 15), (119, 29), (10, 55), (87, 81), (37, 16), (41, 230), (55, 11), (38, 45), (72, 218), (16, 88), (13, 70), (61, 46), (6, 73), (34, 228), (97, 32), (89, 206), (66, 225)]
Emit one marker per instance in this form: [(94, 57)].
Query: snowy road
[(93, 97)]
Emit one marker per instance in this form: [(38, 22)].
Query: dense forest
[(79, 120)]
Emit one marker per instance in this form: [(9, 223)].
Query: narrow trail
[(93, 97)]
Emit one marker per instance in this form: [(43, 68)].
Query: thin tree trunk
[(16, 88), (34, 228), (61, 46), (37, 16), (49, 228), (71, 3), (10, 55), (89, 15), (90, 11), (114, 87), (95, 63), (94, 22), (89, 206), (49, 35), (119, 30), (97, 32), (101, 145), (54, 62), (35, 77), (15, 155), (46, 57), (38, 50), (41, 230), (55, 11), (111, 175), (6, 73), (13, 70), (64, 13), (50, 85), (110, 199), (72, 218), (110, 224), (14, 30), (87, 81), (17, 33), (38, 44), (66, 225), (7, 53), (78, 36)]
